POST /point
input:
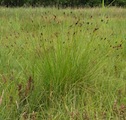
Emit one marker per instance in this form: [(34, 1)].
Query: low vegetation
[(67, 64)]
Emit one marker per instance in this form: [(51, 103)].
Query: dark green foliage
[(63, 3)]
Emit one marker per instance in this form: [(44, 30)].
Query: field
[(66, 64)]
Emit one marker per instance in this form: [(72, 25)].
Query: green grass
[(67, 64)]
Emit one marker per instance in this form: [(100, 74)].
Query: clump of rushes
[(62, 64)]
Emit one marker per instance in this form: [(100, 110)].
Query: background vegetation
[(63, 3)]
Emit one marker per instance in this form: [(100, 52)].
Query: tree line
[(61, 3)]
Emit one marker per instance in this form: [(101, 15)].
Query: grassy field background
[(67, 64)]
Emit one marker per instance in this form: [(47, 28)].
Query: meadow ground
[(67, 64)]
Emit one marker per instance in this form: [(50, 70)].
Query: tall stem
[(103, 3)]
